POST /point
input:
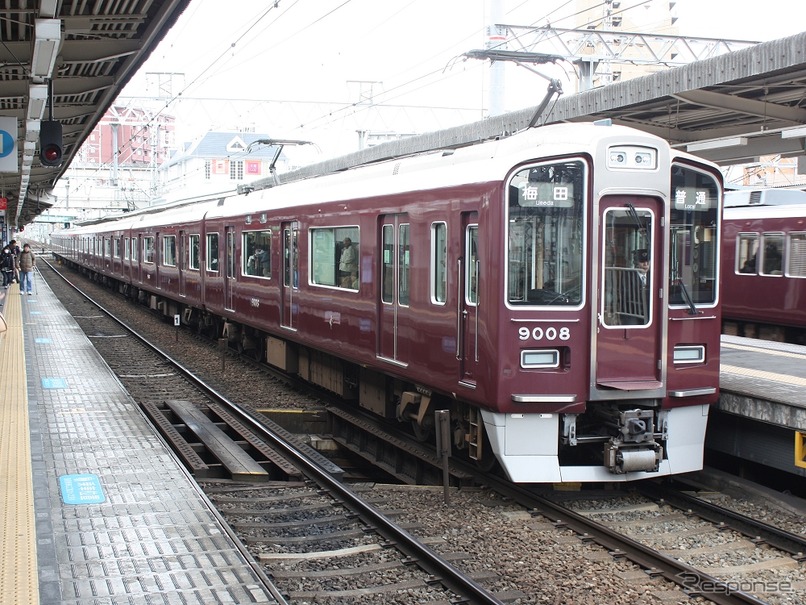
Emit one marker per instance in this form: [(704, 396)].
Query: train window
[(472, 265), (796, 257), (116, 247), (772, 247), (193, 252), (439, 262), (169, 251), (134, 249), (545, 235), (694, 221), (230, 253), (256, 253), (334, 257), (107, 247), (148, 249), (212, 252), (388, 265), (126, 249), (746, 253), (404, 264), (291, 255), (627, 280)]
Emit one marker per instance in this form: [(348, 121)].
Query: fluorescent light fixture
[(37, 101), (47, 41), (793, 133), (32, 131), (717, 144), (47, 8)]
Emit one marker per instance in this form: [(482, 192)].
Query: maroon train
[(764, 265), (501, 281)]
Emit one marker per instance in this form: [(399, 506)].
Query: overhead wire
[(382, 99), (401, 87)]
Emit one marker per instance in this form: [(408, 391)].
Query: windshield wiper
[(692, 310)]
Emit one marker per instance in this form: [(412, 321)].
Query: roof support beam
[(760, 109)]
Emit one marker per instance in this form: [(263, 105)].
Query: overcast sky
[(306, 68)]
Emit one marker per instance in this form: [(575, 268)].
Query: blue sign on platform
[(7, 143), (9, 161), (42, 341), (81, 489), (54, 383)]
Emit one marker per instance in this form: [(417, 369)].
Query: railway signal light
[(50, 143)]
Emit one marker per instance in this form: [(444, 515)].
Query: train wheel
[(423, 431)]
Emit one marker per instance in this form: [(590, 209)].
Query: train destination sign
[(692, 199), (546, 195)]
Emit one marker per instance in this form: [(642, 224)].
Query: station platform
[(94, 507), (761, 415)]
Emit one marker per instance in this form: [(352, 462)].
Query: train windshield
[(694, 222), (545, 234)]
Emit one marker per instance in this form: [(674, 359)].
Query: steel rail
[(756, 530)]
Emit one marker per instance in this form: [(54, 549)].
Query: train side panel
[(764, 252)]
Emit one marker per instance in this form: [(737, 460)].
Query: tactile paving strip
[(18, 562)]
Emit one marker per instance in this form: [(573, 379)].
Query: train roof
[(485, 162), (764, 197), (781, 211), (450, 167)]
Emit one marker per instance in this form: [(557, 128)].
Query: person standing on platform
[(7, 265), (15, 250), (26, 263)]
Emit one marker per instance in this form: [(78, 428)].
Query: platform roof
[(98, 46)]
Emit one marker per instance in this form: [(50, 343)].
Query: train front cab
[(611, 370)]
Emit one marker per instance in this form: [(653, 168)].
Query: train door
[(137, 257), (467, 323), (290, 285), (229, 268), (630, 326), (159, 253), (395, 264), (181, 262)]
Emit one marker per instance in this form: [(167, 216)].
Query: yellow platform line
[(785, 378), (19, 577), (765, 350)]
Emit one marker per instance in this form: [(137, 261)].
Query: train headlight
[(689, 354), (632, 157), (541, 358)]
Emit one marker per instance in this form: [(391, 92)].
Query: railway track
[(709, 550), (430, 577), (292, 545)]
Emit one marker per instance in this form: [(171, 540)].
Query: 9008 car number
[(549, 333)]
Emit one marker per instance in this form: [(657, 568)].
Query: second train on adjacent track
[(556, 290), (764, 264)]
